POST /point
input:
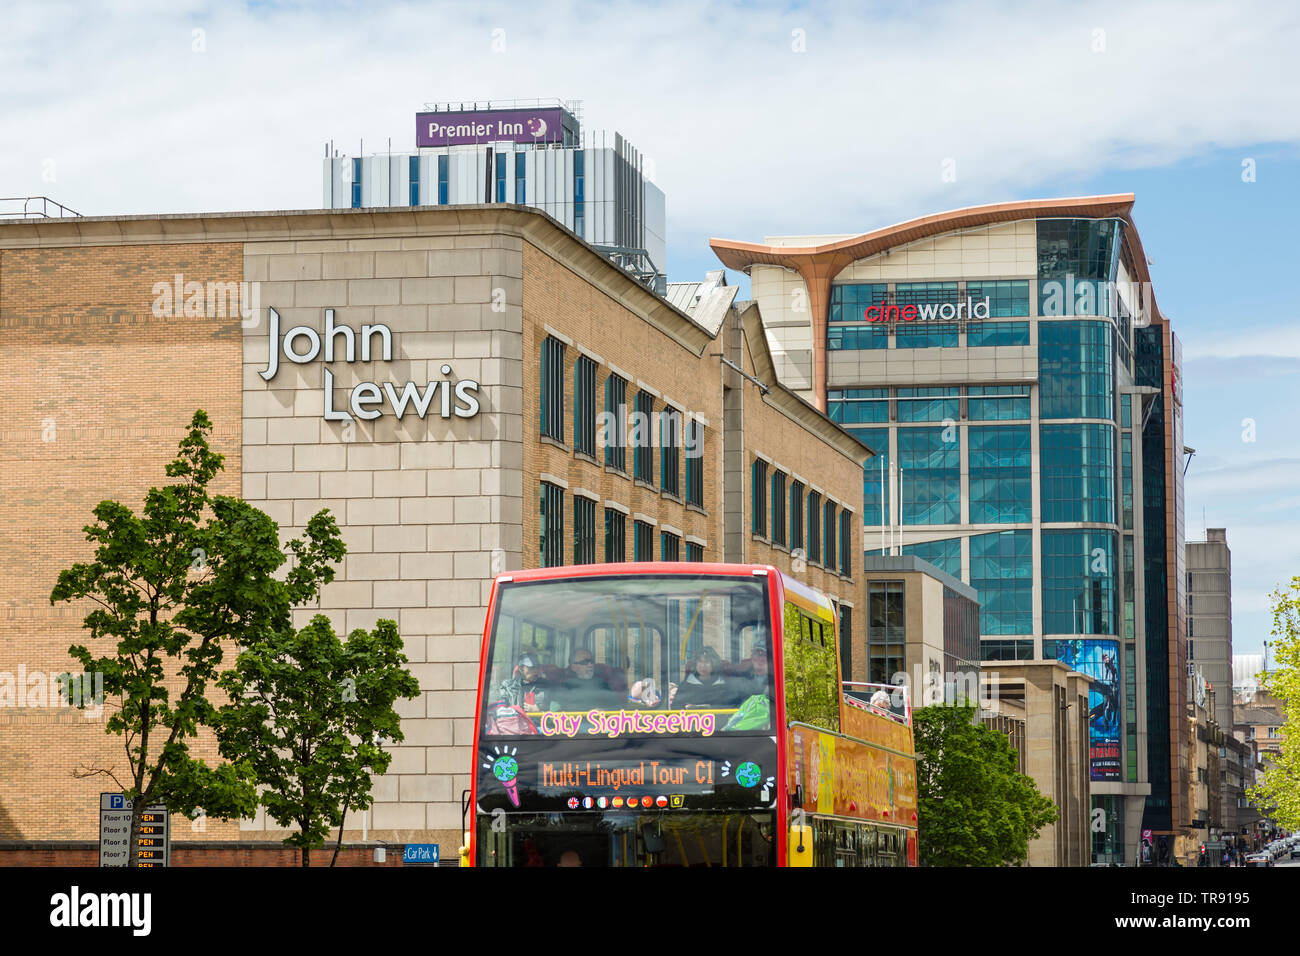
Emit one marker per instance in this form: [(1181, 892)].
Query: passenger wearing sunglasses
[(582, 689)]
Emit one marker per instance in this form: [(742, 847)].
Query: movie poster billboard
[(1099, 659)]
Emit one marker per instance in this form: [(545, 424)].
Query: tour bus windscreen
[(619, 657)]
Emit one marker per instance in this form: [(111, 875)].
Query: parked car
[(1295, 850), (1263, 858)]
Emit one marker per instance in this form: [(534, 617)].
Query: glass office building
[(532, 153), (1010, 366)]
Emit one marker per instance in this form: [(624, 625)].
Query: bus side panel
[(470, 820)]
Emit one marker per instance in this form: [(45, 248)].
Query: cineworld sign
[(929, 311), (367, 401)]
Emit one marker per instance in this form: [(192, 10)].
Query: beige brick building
[(387, 365)]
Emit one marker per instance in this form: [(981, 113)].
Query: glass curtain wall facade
[(1026, 489)]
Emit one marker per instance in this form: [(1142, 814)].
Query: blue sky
[(759, 119)]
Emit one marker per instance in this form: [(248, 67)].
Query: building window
[(552, 397), (1007, 297), (993, 334), (1079, 582), (846, 642), (695, 464), (1126, 478), (1006, 650), (1084, 248), (928, 404), (521, 178), (584, 406), (814, 527), (1002, 571), (442, 180), (356, 183), (584, 531), (579, 194), (875, 474), (843, 338), (931, 475), (927, 293), (643, 449), (1077, 469), (551, 526), (643, 541), (616, 426), (414, 170), (849, 302), (1000, 467), (997, 403), (796, 515), (846, 540), (944, 555), (501, 160), (694, 552), (931, 335), (1075, 370), (670, 438), (669, 547), (779, 535), (615, 536), (828, 534), (886, 631), (758, 493), (855, 406)]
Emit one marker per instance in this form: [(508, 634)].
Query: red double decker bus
[(681, 714)]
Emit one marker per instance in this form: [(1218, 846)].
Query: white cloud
[(748, 136)]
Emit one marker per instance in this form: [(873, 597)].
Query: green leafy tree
[(172, 587), (1278, 793), (309, 715), (974, 807)]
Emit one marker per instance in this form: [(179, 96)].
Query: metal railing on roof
[(33, 207)]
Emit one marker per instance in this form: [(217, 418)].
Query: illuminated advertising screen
[(1099, 659)]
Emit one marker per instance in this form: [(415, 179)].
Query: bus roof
[(811, 596)]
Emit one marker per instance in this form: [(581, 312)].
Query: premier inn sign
[(367, 401)]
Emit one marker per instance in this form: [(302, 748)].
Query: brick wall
[(98, 392)]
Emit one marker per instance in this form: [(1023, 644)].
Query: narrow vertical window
[(579, 195), (615, 536), (501, 160), (643, 450), (670, 431), (669, 547), (584, 406), (616, 425), (643, 542), (551, 526), (828, 535), (584, 531), (846, 541), (758, 497), (552, 397), (779, 535), (814, 527), (415, 180), (521, 174), (694, 552), (796, 515), (356, 183), (695, 464), (443, 178)]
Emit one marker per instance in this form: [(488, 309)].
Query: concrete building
[(1051, 701), (1021, 386), (1209, 616), (434, 377), (922, 631), (527, 152)]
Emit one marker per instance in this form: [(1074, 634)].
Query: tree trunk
[(339, 843)]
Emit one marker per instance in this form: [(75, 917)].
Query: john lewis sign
[(367, 401)]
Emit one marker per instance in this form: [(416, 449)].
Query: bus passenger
[(582, 689), (760, 679), (528, 687), (705, 686)]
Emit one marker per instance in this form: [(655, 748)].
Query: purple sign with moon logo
[(489, 126)]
